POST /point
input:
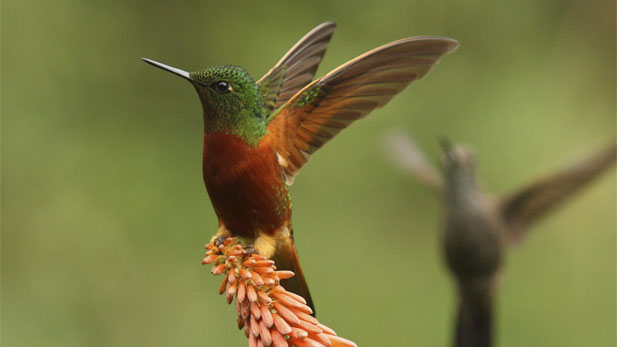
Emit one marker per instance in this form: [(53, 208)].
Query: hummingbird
[(478, 227), (259, 135)]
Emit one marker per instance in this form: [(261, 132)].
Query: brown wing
[(405, 153), (527, 205), (296, 69), (328, 105)]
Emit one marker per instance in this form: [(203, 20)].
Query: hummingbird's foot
[(250, 250), (218, 241)]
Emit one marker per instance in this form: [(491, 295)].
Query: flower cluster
[(269, 314)]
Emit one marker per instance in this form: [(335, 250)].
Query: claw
[(250, 250), (218, 241)]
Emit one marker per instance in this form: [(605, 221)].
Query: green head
[(230, 99)]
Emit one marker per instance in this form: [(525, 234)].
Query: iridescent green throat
[(235, 110)]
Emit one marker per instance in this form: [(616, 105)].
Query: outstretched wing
[(329, 104), (522, 208), (402, 150), (296, 69)]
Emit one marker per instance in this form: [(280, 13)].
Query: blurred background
[(104, 212)]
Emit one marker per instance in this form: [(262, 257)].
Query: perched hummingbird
[(478, 227), (258, 135)]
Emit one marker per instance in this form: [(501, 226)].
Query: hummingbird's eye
[(222, 86)]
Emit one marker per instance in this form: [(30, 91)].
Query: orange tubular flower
[(269, 314)]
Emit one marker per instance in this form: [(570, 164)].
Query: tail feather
[(473, 327), (286, 258)]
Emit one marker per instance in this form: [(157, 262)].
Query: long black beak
[(173, 70)]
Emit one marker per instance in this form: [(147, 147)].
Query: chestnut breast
[(245, 185)]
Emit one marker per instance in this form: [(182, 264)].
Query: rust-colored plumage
[(231, 169)]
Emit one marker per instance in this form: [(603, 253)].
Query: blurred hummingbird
[(478, 227), (258, 135)]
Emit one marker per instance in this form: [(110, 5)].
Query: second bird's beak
[(448, 148), (173, 70)]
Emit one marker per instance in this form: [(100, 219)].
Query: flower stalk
[(269, 314)]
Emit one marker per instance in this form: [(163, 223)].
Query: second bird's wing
[(525, 206), (402, 150)]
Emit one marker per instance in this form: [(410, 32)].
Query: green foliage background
[(104, 213)]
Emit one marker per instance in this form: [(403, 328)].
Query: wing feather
[(329, 104), (295, 69), (522, 208)]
